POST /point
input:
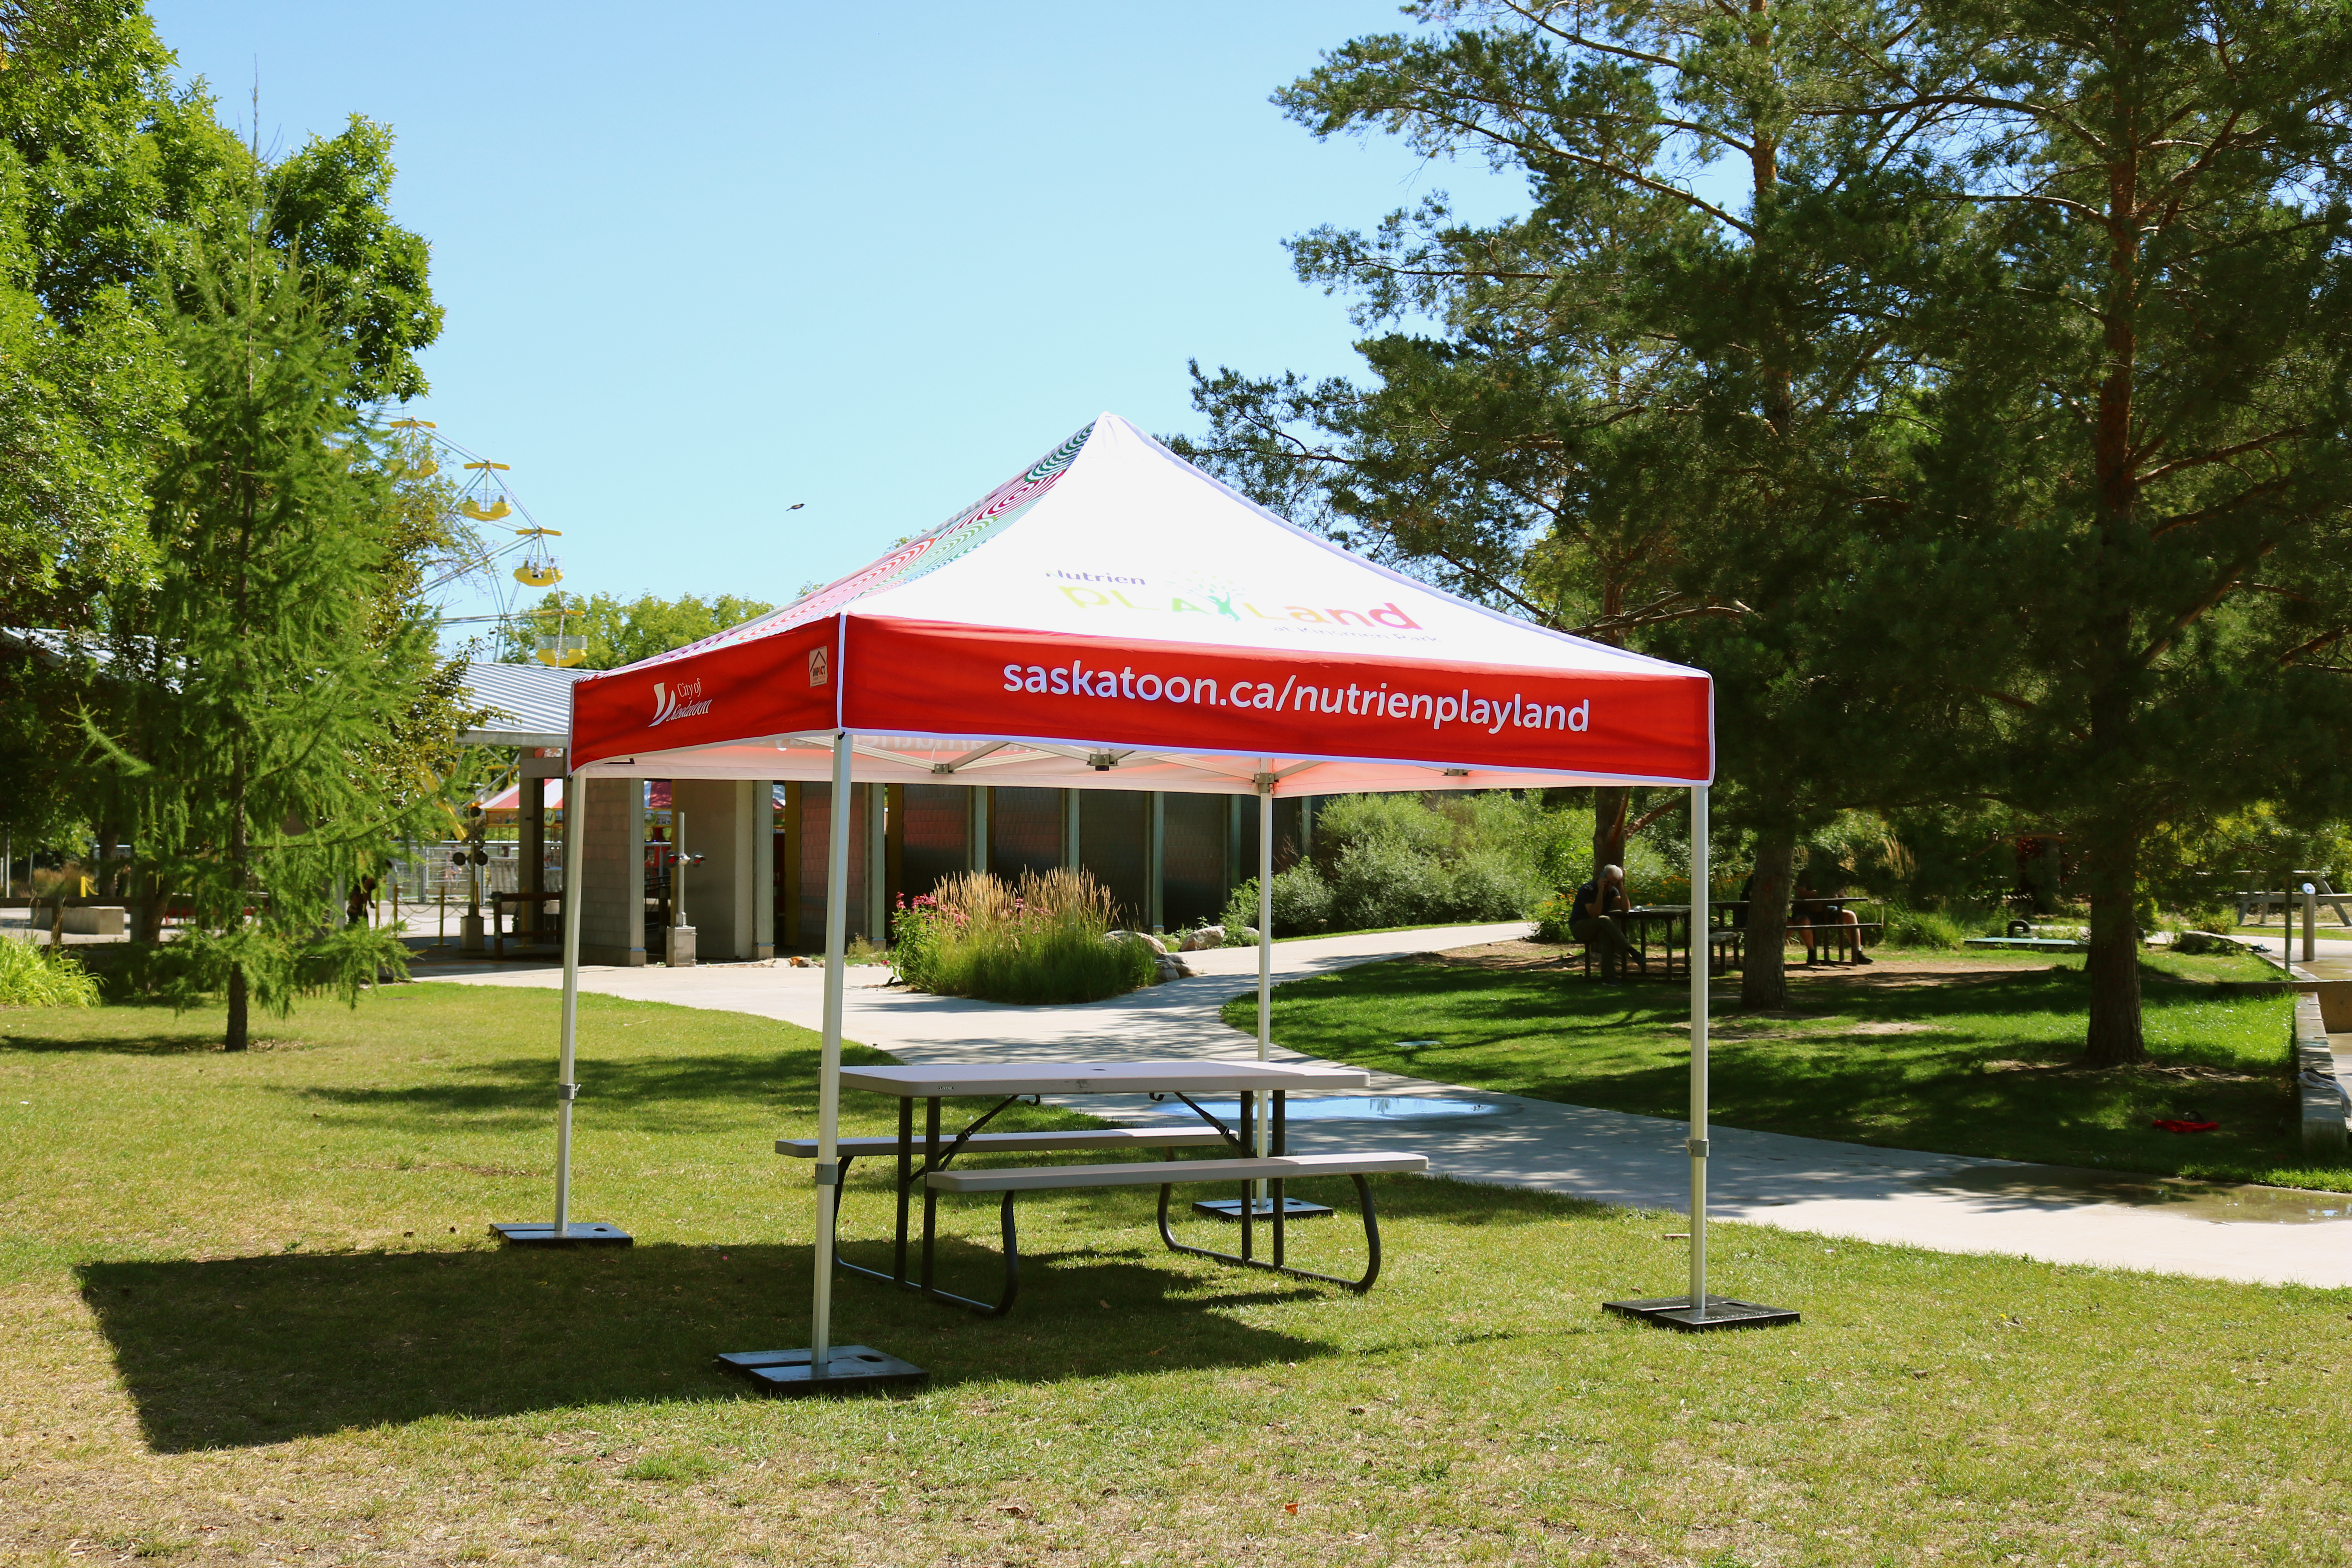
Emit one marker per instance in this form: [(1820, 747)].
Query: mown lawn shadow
[(164, 1033), (243, 1352)]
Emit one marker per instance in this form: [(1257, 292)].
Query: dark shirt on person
[(1588, 902)]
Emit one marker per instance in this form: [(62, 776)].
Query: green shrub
[(1551, 918), (32, 978), (1041, 941), (1302, 904), (1490, 884), (1383, 881), (1387, 860), (1924, 928)]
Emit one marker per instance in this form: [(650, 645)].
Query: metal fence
[(430, 873)]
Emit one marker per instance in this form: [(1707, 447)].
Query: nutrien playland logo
[(1217, 598), (678, 702)]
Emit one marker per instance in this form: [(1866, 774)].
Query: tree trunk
[(147, 903), (2113, 872), (234, 1039), (1764, 977), (2115, 1037), (1609, 808)]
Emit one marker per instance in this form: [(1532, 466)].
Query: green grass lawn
[(1981, 1061), (247, 1313)]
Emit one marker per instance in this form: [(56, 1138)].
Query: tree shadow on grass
[(1984, 1064), (243, 1352), (164, 1034), (159, 1044)]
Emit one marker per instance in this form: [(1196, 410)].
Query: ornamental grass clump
[(1047, 938), (31, 978)]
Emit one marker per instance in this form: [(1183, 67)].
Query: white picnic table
[(1258, 1144), (1017, 1079)]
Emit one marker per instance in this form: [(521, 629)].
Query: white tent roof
[(1211, 639)]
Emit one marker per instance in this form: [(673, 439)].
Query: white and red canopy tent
[(1115, 618), (510, 799)]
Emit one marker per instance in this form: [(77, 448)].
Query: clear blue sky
[(702, 262)]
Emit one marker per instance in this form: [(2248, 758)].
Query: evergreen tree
[(2131, 553), (260, 677), (1654, 402)]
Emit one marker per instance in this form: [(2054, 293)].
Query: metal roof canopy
[(531, 704)]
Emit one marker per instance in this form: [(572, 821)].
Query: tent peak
[(911, 558)]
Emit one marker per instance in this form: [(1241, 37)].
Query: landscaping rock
[(1200, 938), (1176, 968), (1145, 938)]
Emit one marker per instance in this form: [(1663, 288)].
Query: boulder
[(1145, 938)]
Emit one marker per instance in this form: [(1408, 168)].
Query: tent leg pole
[(828, 1091), (562, 1231), (861, 1367), (1264, 960), (567, 1088), (1694, 1311), (1696, 952)]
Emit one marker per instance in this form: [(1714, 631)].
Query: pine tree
[(262, 684), (2131, 553), (1653, 401)]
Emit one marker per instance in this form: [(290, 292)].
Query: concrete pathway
[(1948, 1202)]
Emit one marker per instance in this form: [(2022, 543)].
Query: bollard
[(2310, 922)]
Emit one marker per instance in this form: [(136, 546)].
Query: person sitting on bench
[(1590, 920), (1810, 907)]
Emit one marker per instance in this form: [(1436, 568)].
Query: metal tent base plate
[(850, 1369), (1722, 1313), (542, 1234), (1230, 1208)]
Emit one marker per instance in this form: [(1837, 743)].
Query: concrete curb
[(2324, 1130)]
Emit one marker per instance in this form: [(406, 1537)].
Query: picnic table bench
[(1726, 936), (1182, 1080)]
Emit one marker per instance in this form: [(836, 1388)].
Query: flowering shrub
[(1551, 918), (1040, 940)]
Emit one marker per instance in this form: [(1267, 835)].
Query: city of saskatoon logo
[(681, 701)]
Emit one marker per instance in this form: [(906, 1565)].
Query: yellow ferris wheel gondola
[(538, 569), (498, 507), (422, 466)]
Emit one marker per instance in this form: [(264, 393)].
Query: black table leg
[(1249, 1197), (906, 1179), (1281, 1145), (930, 1193)]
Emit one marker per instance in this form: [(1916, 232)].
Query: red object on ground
[(2171, 1125)]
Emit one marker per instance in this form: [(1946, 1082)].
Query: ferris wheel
[(486, 497)]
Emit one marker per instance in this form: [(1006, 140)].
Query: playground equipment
[(488, 495)]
